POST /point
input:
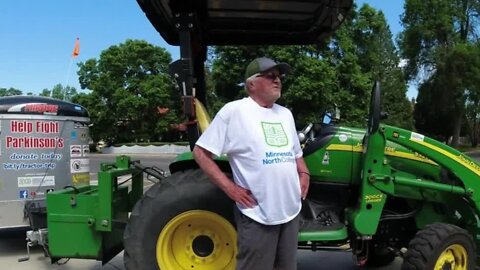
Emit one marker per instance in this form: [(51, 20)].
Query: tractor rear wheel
[(441, 246), (183, 222)]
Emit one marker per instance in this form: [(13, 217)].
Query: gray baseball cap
[(263, 64)]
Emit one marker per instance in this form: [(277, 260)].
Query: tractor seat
[(203, 118)]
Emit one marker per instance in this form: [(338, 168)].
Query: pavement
[(474, 154), (12, 247)]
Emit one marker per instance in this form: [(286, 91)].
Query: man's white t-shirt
[(262, 147)]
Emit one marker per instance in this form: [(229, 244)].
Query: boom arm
[(379, 179)]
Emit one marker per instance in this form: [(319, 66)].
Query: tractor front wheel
[(441, 246), (183, 222)]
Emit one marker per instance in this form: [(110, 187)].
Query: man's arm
[(240, 195), (304, 176)]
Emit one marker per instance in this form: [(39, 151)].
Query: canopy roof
[(249, 22)]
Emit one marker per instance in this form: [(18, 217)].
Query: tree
[(468, 64), (308, 90), (340, 73), (60, 92), (302, 91), (379, 60), (433, 111), (10, 92), (353, 90), (228, 68), (129, 83), (433, 31)]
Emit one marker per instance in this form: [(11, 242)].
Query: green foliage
[(378, 57), (307, 90), (439, 43), (129, 84), (340, 74), (60, 92), (228, 68), (9, 92), (353, 92)]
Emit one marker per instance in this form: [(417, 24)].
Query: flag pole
[(75, 53), (68, 77)]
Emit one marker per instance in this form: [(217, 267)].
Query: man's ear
[(250, 85)]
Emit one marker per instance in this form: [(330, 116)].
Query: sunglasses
[(271, 76)]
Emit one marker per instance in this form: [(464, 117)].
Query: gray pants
[(266, 247)]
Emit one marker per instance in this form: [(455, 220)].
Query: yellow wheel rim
[(454, 257), (198, 240)]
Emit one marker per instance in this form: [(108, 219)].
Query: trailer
[(43, 147)]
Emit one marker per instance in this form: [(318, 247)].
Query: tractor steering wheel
[(374, 114), (306, 133)]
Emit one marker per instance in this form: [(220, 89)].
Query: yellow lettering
[(389, 149), (373, 198), (472, 165)]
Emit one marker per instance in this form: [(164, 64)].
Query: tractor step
[(325, 220), (321, 221)]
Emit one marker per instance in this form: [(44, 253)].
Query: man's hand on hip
[(241, 195)]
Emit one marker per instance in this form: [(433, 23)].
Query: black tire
[(162, 203), (436, 242)]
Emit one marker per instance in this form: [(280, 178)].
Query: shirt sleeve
[(214, 137)]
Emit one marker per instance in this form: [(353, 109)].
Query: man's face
[(268, 86)]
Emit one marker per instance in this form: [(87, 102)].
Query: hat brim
[(284, 68)]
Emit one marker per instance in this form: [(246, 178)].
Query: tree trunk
[(457, 124)]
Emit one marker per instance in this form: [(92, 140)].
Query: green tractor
[(381, 192)]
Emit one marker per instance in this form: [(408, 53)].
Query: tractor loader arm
[(380, 180)]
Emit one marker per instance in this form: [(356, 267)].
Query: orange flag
[(76, 49)]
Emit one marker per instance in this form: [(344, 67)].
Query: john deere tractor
[(380, 192)]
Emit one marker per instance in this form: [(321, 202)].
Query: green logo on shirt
[(274, 134)]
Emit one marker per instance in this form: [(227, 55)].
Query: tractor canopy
[(249, 22), (194, 25)]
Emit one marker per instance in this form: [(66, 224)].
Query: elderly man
[(269, 175)]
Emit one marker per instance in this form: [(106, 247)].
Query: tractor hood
[(249, 22)]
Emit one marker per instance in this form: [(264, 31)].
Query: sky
[(38, 37)]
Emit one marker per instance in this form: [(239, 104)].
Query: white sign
[(86, 150), (36, 181), (417, 137), (79, 165), (75, 150)]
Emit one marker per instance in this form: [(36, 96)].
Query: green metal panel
[(329, 164), (88, 222), (71, 224), (365, 218), (73, 219), (184, 156), (381, 179), (335, 235), (344, 152), (461, 165)]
